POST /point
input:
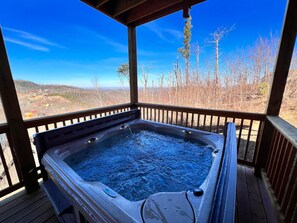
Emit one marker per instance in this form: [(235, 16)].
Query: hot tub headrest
[(48, 139)]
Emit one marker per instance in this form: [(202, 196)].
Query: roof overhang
[(138, 12)]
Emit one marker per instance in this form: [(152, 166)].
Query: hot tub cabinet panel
[(96, 202)]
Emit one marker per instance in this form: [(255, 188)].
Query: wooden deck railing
[(51, 122), (281, 167), (248, 130), (10, 174), (10, 177), (248, 125)]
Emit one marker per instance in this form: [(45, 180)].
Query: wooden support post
[(281, 70), (17, 130), (283, 61), (133, 65)]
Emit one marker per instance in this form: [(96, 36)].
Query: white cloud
[(28, 45), (168, 35), (30, 40), (116, 45), (175, 33)]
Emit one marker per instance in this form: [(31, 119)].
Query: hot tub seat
[(168, 207)]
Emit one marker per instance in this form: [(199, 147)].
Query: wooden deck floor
[(252, 200), (22, 207), (253, 205)]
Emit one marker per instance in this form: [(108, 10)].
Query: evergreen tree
[(123, 71), (185, 50)]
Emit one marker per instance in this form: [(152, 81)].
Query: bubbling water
[(143, 163)]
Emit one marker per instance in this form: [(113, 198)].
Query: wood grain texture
[(133, 64), (253, 202), (21, 146), (138, 12), (22, 207), (283, 60)]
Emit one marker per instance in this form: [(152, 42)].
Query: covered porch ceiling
[(138, 12)]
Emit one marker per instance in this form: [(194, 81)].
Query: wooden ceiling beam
[(148, 8), (138, 12), (125, 5), (158, 14), (105, 9), (100, 3)]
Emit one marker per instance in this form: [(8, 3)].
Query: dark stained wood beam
[(133, 64), (17, 130), (100, 3), (105, 9), (158, 12), (125, 5), (186, 12), (284, 57), (281, 70), (138, 12), (148, 8)]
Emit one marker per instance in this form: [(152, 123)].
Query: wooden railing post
[(281, 70), (17, 129), (262, 155), (133, 65)]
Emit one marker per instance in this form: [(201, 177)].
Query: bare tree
[(196, 49), (161, 83), (144, 80), (262, 56), (216, 37), (178, 80), (98, 93)]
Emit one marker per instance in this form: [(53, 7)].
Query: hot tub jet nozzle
[(187, 131), (92, 140)]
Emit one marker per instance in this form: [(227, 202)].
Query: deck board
[(252, 203), (46, 216), (269, 210), (22, 207), (29, 212), (255, 198), (19, 208), (243, 208)]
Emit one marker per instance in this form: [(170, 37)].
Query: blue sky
[(68, 42)]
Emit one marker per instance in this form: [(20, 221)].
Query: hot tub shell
[(99, 203)]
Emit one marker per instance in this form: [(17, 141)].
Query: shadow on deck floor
[(253, 204), (22, 207)]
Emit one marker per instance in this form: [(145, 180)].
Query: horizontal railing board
[(281, 167), (73, 115), (249, 125), (235, 114), (285, 128)]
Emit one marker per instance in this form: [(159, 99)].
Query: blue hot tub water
[(139, 164)]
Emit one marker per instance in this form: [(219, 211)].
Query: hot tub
[(124, 169)]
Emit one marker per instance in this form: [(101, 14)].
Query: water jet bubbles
[(145, 163)]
